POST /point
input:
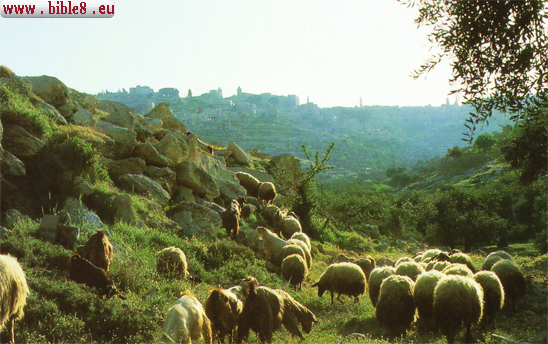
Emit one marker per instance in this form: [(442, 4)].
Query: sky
[(330, 52)]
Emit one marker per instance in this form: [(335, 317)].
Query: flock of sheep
[(437, 289)]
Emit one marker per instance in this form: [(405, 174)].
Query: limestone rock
[(20, 142), (83, 117), (123, 211), (173, 148), (163, 176), (150, 155), (189, 215), (124, 139), (75, 213), (169, 121), (87, 101), (11, 165), (12, 217), (51, 112), (240, 156), (81, 187), (69, 109), (146, 186), (48, 228), (289, 163), (50, 89), (153, 124), (208, 177), (126, 166)]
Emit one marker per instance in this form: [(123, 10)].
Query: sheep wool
[(267, 192), (290, 226), (493, 295), (375, 280), (424, 295), (241, 290), (493, 258), (249, 183), (13, 293), (223, 307), (342, 278), (402, 260), (186, 321), (294, 270), (458, 302), (172, 260), (440, 266), (430, 253), (272, 244), (458, 269), (301, 244), (410, 269), (304, 238), (512, 279), (396, 306), (463, 258), (290, 249)]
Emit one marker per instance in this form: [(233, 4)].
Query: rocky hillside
[(98, 161)]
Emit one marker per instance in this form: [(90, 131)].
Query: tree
[(497, 51), (484, 142)]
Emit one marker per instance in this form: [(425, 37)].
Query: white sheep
[(302, 244), (272, 244), (13, 293), (290, 249), (410, 269), (172, 261), (294, 270), (186, 321), (396, 306), (424, 296), (242, 289), (458, 269), (289, 226), (493, 258), (493, 295), (366, 264), (304, 238), (376, 277), (249, 183), (512, 279), (458, 302), (267, 192), (342, 278), (463, 258)]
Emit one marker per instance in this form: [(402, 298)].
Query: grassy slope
[(59, 311)]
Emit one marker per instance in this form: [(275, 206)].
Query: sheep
[(430, 253), (231, 219), (463, 258), (289, 226), (273, 215), (424, 295), (409, 269), (249, 183), (294, 270), (304, 238), (302, 244), (493, 258), (262, 313), (493, 295), (440, 266), (81, 270), (396, 306), (267, 192), (366, 264), (403, 260), (223, 307), (98, 250), (512, 279), (294, 313), (342, 278), (458, 302), (458, 269), (376, 277), (241, 290), (272, 244), (172, 261), (186, 321), (383, 261), (13, 293), (290, 249)]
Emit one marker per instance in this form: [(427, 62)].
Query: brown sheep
[(222, 307), (13, 293), (98, 250), (295, 313), (262, 313), (82, 271), (231, 219)]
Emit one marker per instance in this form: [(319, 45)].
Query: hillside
[(151, 181)]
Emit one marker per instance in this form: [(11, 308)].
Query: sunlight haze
[(331, 52)]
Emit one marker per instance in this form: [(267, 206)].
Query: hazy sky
[(334, 52)]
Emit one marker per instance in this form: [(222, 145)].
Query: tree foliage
[(497, 51)]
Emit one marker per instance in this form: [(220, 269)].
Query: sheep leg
[(468, 337), (11, 325), (331, 297)]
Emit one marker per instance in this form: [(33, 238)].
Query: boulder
[(150, 155), (123, 211), (69, 109), (124, 139), (12, 217), (76, 214), (67, 236), (50, 89), (153, 124), (11, 165), (240, 156), (288, 163), (191, 216), (20, 142), (18, 84), (87, 101), (163, 176), (81, 188), (173, 147), (208, 177), (126, 166), (162, 112), (51, 112), (146, 186), (183, 194), (83, 117), (48, 228), (4, 233)]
